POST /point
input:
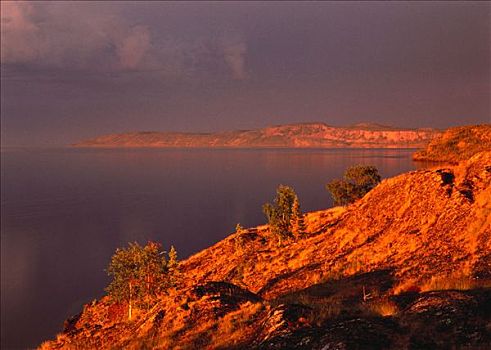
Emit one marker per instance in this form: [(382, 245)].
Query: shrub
[(239, 239), (281, 212), (358, 180), (173, 267), (140, 273), (297, 220), (382, 307)]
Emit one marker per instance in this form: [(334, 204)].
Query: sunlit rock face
[(457, 144), (405, 267), (312, 135)]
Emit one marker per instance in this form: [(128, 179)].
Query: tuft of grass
[(382, 307), (323, 308), (455, 281), (409, 286), (237, 326), (325, 311)]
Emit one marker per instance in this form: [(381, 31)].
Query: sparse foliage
[(239, 229), (173, 266), (173, 261), (358, 180), (281, 212), (239, 240), (139, 273), (297, 220)]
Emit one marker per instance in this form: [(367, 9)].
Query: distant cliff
[(457, 144), (310, 135)]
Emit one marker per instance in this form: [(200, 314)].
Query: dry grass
[(455, 281), (323, 308), (325, 311), (234, 328), (457, 144), (407, 286), (341, 269), (68, 345), (382, 307), (238, 326)]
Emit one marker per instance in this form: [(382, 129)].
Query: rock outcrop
[(457, 144), (310, 135)]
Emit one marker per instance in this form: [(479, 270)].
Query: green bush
[(139, 273), (282, 212), (297, 220), (358, 180)]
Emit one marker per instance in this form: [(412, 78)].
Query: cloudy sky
[(75, 70)]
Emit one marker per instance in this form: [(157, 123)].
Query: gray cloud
[(234, 55), (80, 36), (132, 49), (70, 36), (18, 33)]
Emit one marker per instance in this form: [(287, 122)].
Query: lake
[(65, 211)]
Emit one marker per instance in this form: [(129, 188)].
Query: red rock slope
[(361, 277)]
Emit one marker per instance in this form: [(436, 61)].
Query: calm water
[(65, 211)]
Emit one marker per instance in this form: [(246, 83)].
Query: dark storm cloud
[(77, 69)]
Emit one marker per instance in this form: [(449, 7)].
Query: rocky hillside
[(457, 144), (316, 135), (406, 267)]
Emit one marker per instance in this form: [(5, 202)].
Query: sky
[(75, 70)]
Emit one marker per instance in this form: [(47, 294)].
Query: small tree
[(173, 266), (280, 213), (138, 273), (297, 220), (239, 240), (239, 229), (154, 269), (358, 180), (341, 191)]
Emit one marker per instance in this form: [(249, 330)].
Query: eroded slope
[(457, 144), (293, 136), (361, 277)]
